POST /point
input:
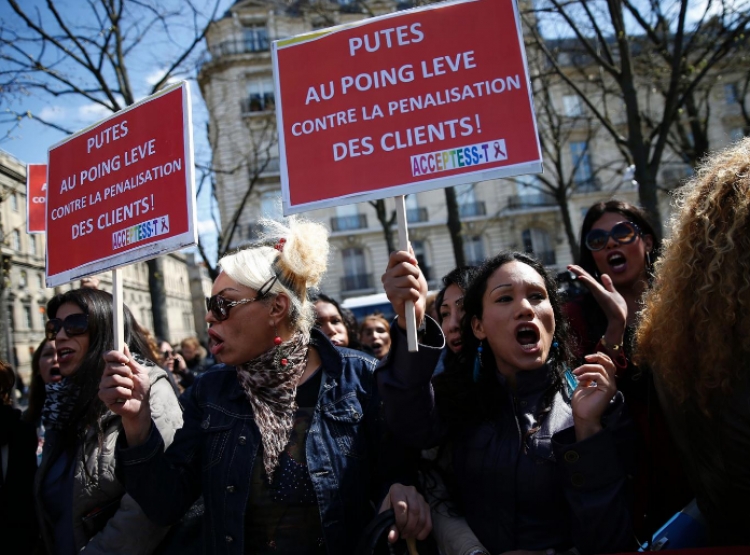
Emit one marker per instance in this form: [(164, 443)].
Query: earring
[(478, 363), (555, 344), (648, 259), (279, 360)]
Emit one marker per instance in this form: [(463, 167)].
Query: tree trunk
[(158, 297), (562, 202), (386, 223), (454, 226)]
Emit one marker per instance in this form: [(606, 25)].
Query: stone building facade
[(238, 87)]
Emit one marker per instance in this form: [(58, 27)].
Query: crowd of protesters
[(534, 419)]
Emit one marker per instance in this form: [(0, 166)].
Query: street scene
[(369, 276)]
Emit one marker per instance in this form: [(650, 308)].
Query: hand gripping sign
[(407, 102), (402, 103)]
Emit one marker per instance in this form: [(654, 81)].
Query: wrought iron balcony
[(472, 209), (519, 202), (238, 46), (414, 215), (349, 223)]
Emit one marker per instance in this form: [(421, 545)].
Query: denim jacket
[(213, 454)]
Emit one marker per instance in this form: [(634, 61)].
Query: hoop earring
[(478, 365)]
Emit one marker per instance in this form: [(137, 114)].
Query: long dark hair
[(37, 393), (460, 277), (632, 213), (463, 401), (97, 305)]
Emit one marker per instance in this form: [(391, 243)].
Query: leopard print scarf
[(271, 388)]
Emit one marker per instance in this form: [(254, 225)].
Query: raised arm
[(403, 377)]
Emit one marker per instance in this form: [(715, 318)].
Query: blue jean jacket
[(213, 455)]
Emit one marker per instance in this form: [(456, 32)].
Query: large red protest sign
[(36, 191), (401, 103), (122, 190)]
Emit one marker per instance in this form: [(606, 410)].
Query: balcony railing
[(357, 282), (517, 202), (256, 103), (237, 46), (590, 185), (414, 215), (471, 209), (349, 223)]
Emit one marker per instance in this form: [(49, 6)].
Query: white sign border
[(137, 253), (529, 167)]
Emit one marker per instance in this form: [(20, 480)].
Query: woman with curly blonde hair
[(695, 333)]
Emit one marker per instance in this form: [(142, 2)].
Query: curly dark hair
[(347, 316), (97, 305), (460, 400)]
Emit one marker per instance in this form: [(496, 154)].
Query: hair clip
[(279, 246)]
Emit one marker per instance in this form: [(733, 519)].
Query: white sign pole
[(117, 311), (403, 244)]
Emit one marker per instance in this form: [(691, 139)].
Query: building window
[(583, 176), (474, 250), (731, 94), (24, 279), (32, 244), (573, 105), (40, 281), (259, 95), (12, 317), (27, 317), (355, 277), (187, 321), (537, 242), (15, 240), (256, 38), (14, 202)]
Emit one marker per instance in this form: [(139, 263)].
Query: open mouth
[(215, 343), (455, 345), (527, 337), (616, 261), (54, 374), (64, 355)]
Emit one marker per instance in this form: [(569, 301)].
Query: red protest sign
[(122, 190), (401, 103), (36, 191)]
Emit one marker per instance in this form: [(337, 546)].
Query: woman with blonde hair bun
[(695, 334), (283, 440)]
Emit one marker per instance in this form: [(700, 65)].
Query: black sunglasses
[(219, 306), (75, 324), (624, 233)]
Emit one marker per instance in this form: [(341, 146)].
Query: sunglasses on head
[(75, 324), (219, 307), (623, 233)]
